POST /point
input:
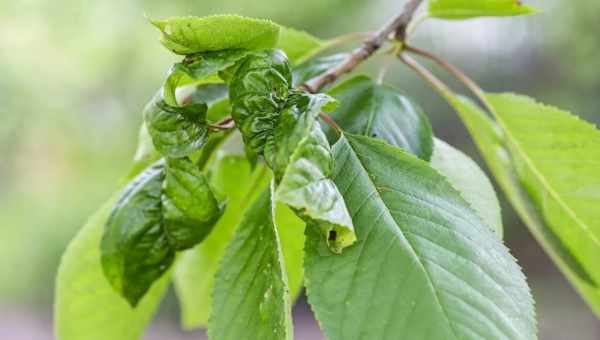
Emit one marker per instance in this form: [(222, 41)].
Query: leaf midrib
[(400, 232), (531, 165)]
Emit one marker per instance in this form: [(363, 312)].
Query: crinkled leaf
[(301, 159), (465, 9), (176, 131), (381, 111), (189, 35), (297, 44), (198, 69), (135, 249), (314, 67), (491, 142), (85, 305), (425, 266), (468, 178), (195, 270), (189, 206), (257, 93), (251, 297)]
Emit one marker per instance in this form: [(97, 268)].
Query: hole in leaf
[(332, 235)]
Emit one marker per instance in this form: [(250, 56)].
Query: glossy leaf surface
[(257, 93), (251, 297), (381, 111), (425, 265), (197, 69), (468, 178), (135, 248), (465, 9), (176, 131), (189, 206), (189, 35)]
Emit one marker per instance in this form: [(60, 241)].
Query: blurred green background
[(74, 76)]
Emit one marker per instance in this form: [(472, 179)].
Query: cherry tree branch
[(396, 27)]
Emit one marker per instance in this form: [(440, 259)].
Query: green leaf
[(468, 178), (176, 131), (491, 142), (381, 111), (135, 248), (190, 209), (199, 69), (297, 44), (86, 306), (465, 9), (189, 35), (314, 67), (301, 159), (195, 269), (251, 298), (555, 156), (425, 266), (257, 91)]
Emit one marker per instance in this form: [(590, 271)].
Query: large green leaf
[(297, 44), (468, 178), (425, 266), (195, 269), (251, 297), (176, 131), (465, 9), (86, 306), (491, 142), (381, 111), (189, 35), (189, 206)]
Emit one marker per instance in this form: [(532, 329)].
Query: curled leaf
[(189, 35), (201, 68), (280, 124), (257, 93), (190, 208), (176, 131), (135, 249)]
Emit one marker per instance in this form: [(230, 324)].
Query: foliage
[(402, 232)]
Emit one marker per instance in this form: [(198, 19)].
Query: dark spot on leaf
[(332, 235)]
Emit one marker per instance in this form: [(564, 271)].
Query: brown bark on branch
[(396, 27)]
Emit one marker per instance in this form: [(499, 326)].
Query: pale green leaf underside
[(465, 9), (425, 266), (86, 306), (251, 298), (490, 141), (297, 44), (468, 178), (188, 35), (195, 269)]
